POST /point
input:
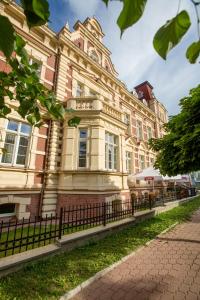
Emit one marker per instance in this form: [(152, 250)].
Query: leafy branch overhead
[(169, 35), (22, 82)]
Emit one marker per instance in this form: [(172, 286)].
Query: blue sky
[(133, 56)]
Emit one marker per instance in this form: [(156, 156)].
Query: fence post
[(60, 223), (104, 214), (150, 203), (133, 205)]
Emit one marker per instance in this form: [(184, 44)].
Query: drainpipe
[(45, 170), (122, 164), (57, 64)]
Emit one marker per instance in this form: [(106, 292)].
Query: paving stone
[(168, 268)]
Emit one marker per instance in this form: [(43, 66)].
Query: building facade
[(57, 165)]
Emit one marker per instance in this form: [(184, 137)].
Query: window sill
[(7, 215)]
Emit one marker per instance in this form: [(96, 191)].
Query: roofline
[(145, 82)]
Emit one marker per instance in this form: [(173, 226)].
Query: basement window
[(7, 209)]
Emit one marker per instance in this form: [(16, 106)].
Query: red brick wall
[(4, 66), (41, 144), (39, 161), (49, 75), (38, 178), (80, 43), (66, 200), (51, 61), (43, 130), (33, 207)]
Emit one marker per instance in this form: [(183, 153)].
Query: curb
[(99, 274)]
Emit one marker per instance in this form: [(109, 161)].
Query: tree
[(22, 83), (179, 150), (37, 13)]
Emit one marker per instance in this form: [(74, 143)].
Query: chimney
[(144, 91)]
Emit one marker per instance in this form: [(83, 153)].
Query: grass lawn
[(35, 236), (51, 278)]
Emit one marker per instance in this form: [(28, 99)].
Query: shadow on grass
[(52, 277)]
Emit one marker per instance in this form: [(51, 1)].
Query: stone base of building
[(26, 205)]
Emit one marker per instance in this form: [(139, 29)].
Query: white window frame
[(33, 60), (151, 161), (79, 89), (128, 162), (149, 132), (17, 134), (139, 129), (114, 151), (140, 162), (86, 140), (127, 119), (94, 56)]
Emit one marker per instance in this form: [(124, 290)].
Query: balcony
[(96, 104)]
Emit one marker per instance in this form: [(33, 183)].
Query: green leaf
[(31, 119), (193, 52), (36, 11), (169, 35), (106, 2), (5, 111), (7, 37), (132, 11), (74, 122), (20, 43)]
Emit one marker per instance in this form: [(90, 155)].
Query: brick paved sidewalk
[(169, 268)]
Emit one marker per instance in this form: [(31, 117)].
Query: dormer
[(145, 91), (88, 37), (94, 27)]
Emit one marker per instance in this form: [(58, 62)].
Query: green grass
[(27, 237), (51, 278)]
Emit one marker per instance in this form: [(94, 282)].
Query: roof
[(144, 83)]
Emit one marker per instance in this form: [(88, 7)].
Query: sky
[(134, 56)]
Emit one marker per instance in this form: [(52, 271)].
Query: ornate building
[(57, 165)]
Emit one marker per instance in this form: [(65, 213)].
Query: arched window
[(94, 56)]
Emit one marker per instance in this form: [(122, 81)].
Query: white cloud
[(136, 60), (83, 9), (134, 56)]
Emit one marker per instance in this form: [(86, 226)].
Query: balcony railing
[(94, 103)]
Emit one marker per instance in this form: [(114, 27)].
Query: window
[(37, 64), (128, 162), (79, 90), (151, 161), (142, 162), (7, 209), (82, 159), (139, 130), (126, 119), (16, 143), (94, 56), (111, 149), (149, 132)]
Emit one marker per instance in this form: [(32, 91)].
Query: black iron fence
[(19, 236), (23, 235)]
